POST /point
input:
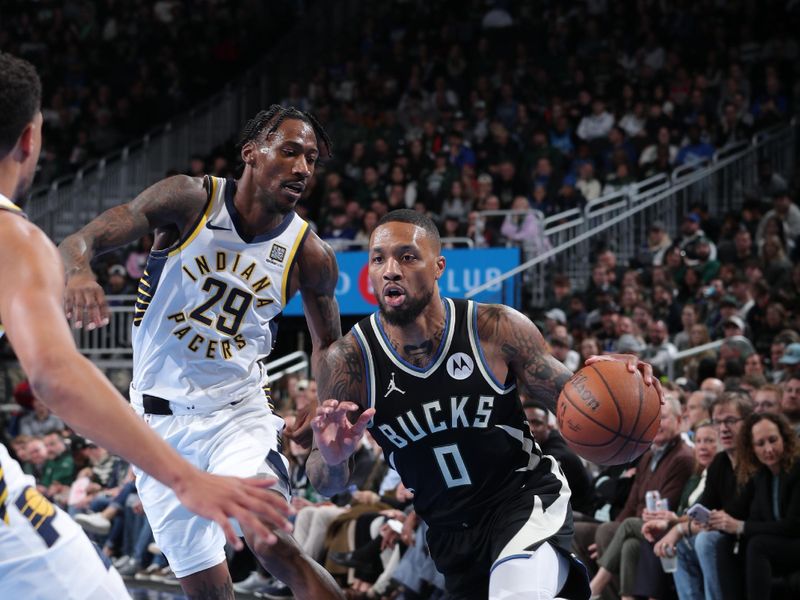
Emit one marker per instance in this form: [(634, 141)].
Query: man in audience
[(59, 470), (41, 421), (665, 467), (551, 442), (660, 351), (790, 401), (767, 398), (706, 564)]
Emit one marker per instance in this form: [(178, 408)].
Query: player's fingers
[(97, 309), (230, 534), (647, 372), (659, 389), (348, 406), (361, 424)]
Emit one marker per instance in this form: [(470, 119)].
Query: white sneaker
[(93, 523), (148, 573), (254, 583), (121, 560)]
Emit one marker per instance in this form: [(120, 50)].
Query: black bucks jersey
[(457, 436)]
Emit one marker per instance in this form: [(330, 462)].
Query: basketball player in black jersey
[(436, 381)]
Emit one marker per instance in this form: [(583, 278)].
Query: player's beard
[(410, 310)]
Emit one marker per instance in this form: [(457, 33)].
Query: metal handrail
[(666, 196), (690, 352)]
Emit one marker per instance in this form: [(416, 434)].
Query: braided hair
[(269, 120)]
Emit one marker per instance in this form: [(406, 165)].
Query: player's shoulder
[(493, 319), (317, 264), (19, 237)]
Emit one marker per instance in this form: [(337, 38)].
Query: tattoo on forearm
[(341, 374), (541, 376), (208, 591)]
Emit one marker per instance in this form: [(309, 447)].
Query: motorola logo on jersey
[(460, 366)]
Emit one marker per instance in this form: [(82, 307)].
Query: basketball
[(607, 414)]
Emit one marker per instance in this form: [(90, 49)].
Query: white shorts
[(241, 440)]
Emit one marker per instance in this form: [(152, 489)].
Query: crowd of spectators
[(112, 70), (494, 106)]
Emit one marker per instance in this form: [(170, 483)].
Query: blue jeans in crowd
[(706, 567)]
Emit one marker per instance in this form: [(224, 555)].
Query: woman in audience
[(769, 467)]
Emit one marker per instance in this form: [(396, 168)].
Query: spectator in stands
[(37, 457), (660, 351), (689, 319), (59, 470), (767, 398), (706, 561), (665, 467), (525, 229), (597, 125), (39, 422), (738, 250), (551, 442), (694, 151), (627, 557), (790, 401), (658, 241), (691, 237), (788, 214), (769, 469), (696, 410)]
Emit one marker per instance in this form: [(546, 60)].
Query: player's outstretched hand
[(249, 501), (300, 431), (85, 302), (634, 364), (336, 437)]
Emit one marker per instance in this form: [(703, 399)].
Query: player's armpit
[(539, 374)]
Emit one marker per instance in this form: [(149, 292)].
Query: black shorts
[(537, 512)]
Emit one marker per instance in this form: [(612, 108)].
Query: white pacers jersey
[(206, 307)]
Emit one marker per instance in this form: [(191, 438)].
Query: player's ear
[(25, 143), (440, 264), (249, 153)]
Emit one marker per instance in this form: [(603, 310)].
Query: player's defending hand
[(634, 364), (336, 437), (300, 431), (85, 302), (249, 501)]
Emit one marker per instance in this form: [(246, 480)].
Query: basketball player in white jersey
[(436, 380), (43, 553), (228, 255)]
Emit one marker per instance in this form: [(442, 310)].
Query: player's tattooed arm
[(521, 346), (168, 207), (318, 275), (176, 201), (341, 382)]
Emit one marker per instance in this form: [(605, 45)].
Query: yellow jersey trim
[(202, 222), (287, 271), (6, 203)]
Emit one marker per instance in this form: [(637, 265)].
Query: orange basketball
[(607, 414)]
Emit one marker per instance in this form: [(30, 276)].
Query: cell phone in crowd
[(699, 513)]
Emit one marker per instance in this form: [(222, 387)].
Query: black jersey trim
[(441, 352), (366, 354), (477, 350)]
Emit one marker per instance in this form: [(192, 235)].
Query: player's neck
[(9, 177), (418, 341), (256, 217)]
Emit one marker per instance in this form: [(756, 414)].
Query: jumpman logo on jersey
[(392, 387)]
